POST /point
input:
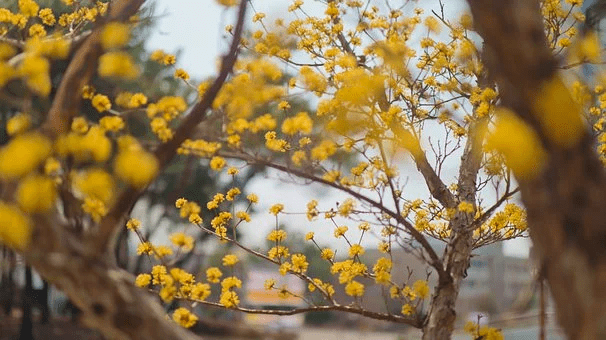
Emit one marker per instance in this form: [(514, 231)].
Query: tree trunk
[(565, 202), (27, 325)]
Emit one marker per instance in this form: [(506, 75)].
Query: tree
[(389, 86)]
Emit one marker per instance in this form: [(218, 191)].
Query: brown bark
[(565, 203), (105, 294)]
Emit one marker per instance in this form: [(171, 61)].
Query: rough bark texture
[(441, 318), (565, 202)]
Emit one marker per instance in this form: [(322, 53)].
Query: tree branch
[(165, 152), (80, 70)]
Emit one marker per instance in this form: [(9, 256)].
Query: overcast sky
[(197, 28)]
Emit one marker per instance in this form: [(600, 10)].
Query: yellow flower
[(408, 310), (95, 208), (183, 241), (278, 252), (512, 134), (230, 282), (47, 16), (133, 224), (276, 209), (169, 59), (229, 299), (200, 291), (421, 288), (300, 123), (15, 227), (356, 250), (95, 183), (52, 166), (354, 288), (145, 248), (23, 154), (18, 123), (243, 215), (340, 231), (29, 8), (299, 263), (35, 69), (117, 64), (184, 317), (115, 35), (309, 236), (213, 274), (136, 167), (229, 260), (327, 254), (252, 198), (277, 235), (112, 123), (269, 284), (143, 280), (181, 74), (36, 194), (37, 30), (217, 163), (101, 103)]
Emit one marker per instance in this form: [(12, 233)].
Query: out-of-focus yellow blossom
[(301, 123), (229, 260), (35, 70), (22, 154), (36, 194), (136, 167), (327, 254), (182, 241), (142, 280), (299, 263), (356, 250), (95, 208), (112, 123), (277, 235), (52, 166), (15, 227), (95, 183), (117, 64), (213, 274), (421, 289), (115, 35), (510, 135), (29, 8), (17, 124), (466, 207)]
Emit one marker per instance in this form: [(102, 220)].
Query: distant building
[(494, 282)]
